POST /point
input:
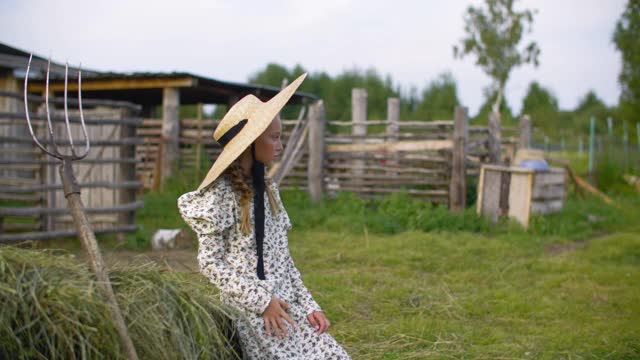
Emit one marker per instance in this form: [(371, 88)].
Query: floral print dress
[(227, 257)]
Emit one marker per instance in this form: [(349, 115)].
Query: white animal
[(164, 239)]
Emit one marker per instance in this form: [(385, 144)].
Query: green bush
[(400, 212), (612, 162)]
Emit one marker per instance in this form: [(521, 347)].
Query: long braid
[(241, 185)]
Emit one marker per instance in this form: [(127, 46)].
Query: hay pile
[(51, 308)]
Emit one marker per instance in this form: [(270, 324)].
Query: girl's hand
[(273, 316), (319, 321)]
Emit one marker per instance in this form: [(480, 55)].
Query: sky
[(230, 40)]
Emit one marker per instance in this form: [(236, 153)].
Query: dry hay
[(51, 308)]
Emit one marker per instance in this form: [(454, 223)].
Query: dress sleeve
[(211, 218), (301, 292)]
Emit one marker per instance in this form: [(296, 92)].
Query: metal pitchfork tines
[(72, 194)]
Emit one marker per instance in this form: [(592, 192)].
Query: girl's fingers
[(277, 325), (282, 330), (323, 322), (312, 321), (289, 319), (284, 304), (267, 326)]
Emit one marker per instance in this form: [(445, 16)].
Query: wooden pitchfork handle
[(88, 239), (72, 194)]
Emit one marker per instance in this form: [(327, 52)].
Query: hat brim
[(260, 115)]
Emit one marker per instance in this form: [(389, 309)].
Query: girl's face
[(268, 145)]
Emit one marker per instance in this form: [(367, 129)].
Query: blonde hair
[(241, 184)]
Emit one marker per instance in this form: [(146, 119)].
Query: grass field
[(402, 279), (417, 295)]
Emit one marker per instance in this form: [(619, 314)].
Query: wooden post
[(525, 132), (127, 172), (170, 131), (494, 138), (315, 171), (393, 116), (359, 129), (458, 183), (199, 143)]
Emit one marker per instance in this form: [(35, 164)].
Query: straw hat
[(258, 116)]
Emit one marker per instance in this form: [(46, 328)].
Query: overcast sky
[(230, 40)]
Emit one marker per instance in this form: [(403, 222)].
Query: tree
[(590, 105), (538, 97), (542, 106), (626, 37), (438, 99), (493, 35), (488, 106), (336, 92)]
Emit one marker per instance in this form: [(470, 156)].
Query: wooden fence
[(428, 159), (32, 204)]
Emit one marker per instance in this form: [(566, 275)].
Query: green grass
[(404, 279), (455, 295)]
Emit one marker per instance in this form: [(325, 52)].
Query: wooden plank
[(395, 146), (556, 191), (70, 101), (513, 169), (399, 169), (550, 178), (20, 227), (317, 150), (359, 128), (26, 211), (444, 193), (47, 187), (520, 197), (18, 181), (547, 206), (20, 197), (479, 192), (118, 84), (21, 151), (525, 132), (458, 184), (492, 180), (377, 138), (494, 138), (64, 143)]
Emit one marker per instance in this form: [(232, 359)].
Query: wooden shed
[(31, 201)]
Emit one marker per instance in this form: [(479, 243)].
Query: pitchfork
[(72, 193)]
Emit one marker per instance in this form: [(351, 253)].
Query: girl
[(242, 235)]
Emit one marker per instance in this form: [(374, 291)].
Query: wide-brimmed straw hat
[(242, 124)]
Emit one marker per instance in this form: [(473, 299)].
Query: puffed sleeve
[(210, 214), (301, 292)]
